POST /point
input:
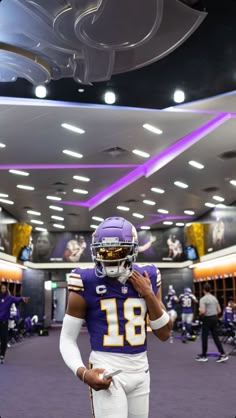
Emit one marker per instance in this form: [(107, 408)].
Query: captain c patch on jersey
[(101, 289)]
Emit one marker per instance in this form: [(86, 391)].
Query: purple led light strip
[(160, 160), (154, 164)]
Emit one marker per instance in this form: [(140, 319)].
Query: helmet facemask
[(113, 260)]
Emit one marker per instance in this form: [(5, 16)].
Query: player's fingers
[(135, 275), (99, 370), (146, 275), (103, 384)]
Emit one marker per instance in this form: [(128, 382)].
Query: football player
[(187, 300), (171, 303), (114, 297)]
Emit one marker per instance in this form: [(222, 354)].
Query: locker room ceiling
[(204, 66), (35, 140)]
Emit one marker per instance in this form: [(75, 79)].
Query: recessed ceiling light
[(3, 195), (180, 184), (179, 96), (196, 165), (2, 145), (233, 182), (34, 212), (141, 153), (179, 224), (162, 211), (40, 92), (189, 212), (72, 128), (58, 218), (138, 215), (145, 227), (96, 218), (109, 97), (8, 202), (72, 153), (149, 202), (157, 190), (53, 198), (81, 178), (35, 221), (94, 226), (218, 198), (59, 226), (152, 128), (56, 208), (22, 186), (81, 90), (38, 228), (123, 208), (167, 223), (19, 172), (210, 205), (80, 191), (220, 205)]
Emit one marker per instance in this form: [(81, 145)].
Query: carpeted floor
[(35, 383)]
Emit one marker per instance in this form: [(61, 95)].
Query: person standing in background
[(6, 300), (210, 308), (171, 302), (187, 300)]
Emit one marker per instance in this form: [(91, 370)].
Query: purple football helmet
[(187, 290), (114, 247)]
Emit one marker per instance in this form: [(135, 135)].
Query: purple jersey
[(6, 301), (116, 313), (228, 315), (171, 302), (186, 301)]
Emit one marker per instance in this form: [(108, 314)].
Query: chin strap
[(125, 275), (100, 271)]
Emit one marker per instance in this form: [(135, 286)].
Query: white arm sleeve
[(68, 342)]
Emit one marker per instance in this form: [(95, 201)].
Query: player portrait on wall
[(75, 249)]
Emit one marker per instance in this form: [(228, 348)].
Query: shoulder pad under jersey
[(75, 281)]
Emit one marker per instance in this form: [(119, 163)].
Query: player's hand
[(142, 284), (93, 379), (25, 300)]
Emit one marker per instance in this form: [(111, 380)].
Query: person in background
[(228, 313), (187, 301), (209, 307), (6, 300), (171, 303), (114, 297), (11, 322)]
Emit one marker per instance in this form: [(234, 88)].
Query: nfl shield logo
[(124, 290)]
